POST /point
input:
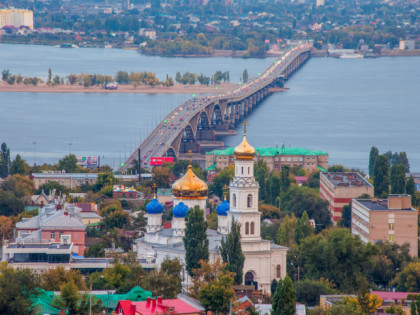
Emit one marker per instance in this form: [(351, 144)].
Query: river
[(341, 106)]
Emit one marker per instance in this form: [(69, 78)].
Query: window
[(289, 159), (276, 159), (61, 234), (242, 170), (247, 228), (249, 201), (52, 235), (391, 226), (234, 200), (295, 159), (278, 271), (249, 169), (391, 237), (282, 158), (301, 159), (252, 228)]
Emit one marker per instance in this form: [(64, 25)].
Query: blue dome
[(223, 208), (154, 207), (180, 211)]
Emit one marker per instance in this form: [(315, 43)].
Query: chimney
[(374, 199), (148, 301), (159, 300), (42, 204), (154, 303)]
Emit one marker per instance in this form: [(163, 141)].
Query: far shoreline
[(128, 88)]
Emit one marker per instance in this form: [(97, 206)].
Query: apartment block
[(391, 219), (16, 18), (339, 188)]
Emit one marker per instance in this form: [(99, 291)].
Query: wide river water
[(341, 106)]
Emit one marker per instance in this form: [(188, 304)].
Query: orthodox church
[(264, 260)]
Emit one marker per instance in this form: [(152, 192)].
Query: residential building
[(407, 44), (275, 158), (156, 306), (121, 191), (16, 18), (391, 219), (51, 225), (339, 188), (320, 3), (74, 180)]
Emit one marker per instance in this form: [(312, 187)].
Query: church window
[(249, 201), (252, 228), (234, 200), (242, 170), (249, 170), (278, 271), (247, 228), (249, 278)]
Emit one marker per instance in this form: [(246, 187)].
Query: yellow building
[(16, 18)]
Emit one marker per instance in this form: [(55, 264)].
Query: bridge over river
[(195, 124)]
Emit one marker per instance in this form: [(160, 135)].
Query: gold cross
[(225, 189), (190, 154), (154, 189), (245, 123)]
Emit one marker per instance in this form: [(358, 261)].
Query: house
[(155, 306)]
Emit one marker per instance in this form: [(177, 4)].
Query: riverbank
[(67, 88)]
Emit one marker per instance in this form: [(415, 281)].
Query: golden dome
[(190, 186), (244, 151)]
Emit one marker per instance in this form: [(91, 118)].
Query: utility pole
[(70, 144), (34, 143), (139, 161)]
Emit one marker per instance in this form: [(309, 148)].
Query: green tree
[(220, 180), (411, 189), (381, 177), (49, 76), (50, 186), (68, 163), (104, 179), (309, 291), (284, 300), (286, 232), (231, 252), (261, 175), (196, 242), (303, 228), (5, 74), (4, 160), (273, 188), (69, 297), (245, 76), (53, 279), (18, 166), (10, 205), (374, 152), (17, 287), (408, 280), (96, 250), (273, 287), (161, 177), (397, 179), (345, 220)]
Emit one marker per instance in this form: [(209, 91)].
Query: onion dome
[(180, 210), (190, 186), (154, 207), (244, 151), (223, 208)]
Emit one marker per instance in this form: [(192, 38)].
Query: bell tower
[(244, 192)]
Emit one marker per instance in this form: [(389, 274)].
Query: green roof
[(211, 167), (321, 168), (94, 224), (164, 192), (136, 294), (30, 208), (42, 307), (273, 151)]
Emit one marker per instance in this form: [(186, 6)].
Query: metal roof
[(272, 151)]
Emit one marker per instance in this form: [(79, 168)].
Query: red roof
[(85, 206), (155, 306), (392, 296)]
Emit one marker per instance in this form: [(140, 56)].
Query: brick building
[(391, 219), (339, 188), (275, 158)]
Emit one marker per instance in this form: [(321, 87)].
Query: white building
[(264, 260), (16, 18)]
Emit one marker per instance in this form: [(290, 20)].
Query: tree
[(374, 152), (68, 163), (53, 279), (261, 175), (96, 251), (285, 180), (4, 160), (245, 76), (284, 300), (18, 166), (5, 74), (309, 291), (303, 228), (17, 287), (196, 242), (286, 232), (69, 297), (398, 181), (220, 180), (345, 220), (6, 227), (117, 275), (411, 189), (212, 285), (104, 179), (409, 278), (51, 186), (19, 185), (161, 177), (273, 287), (49, 76), (10, 205), (381, 177), (273, 188), (116, 219), (231, 252)]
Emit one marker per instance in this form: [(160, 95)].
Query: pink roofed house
[(155, 306)]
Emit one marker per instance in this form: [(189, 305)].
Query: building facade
[(275, 158), (16, 18), (391, 219), (339, 188)]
